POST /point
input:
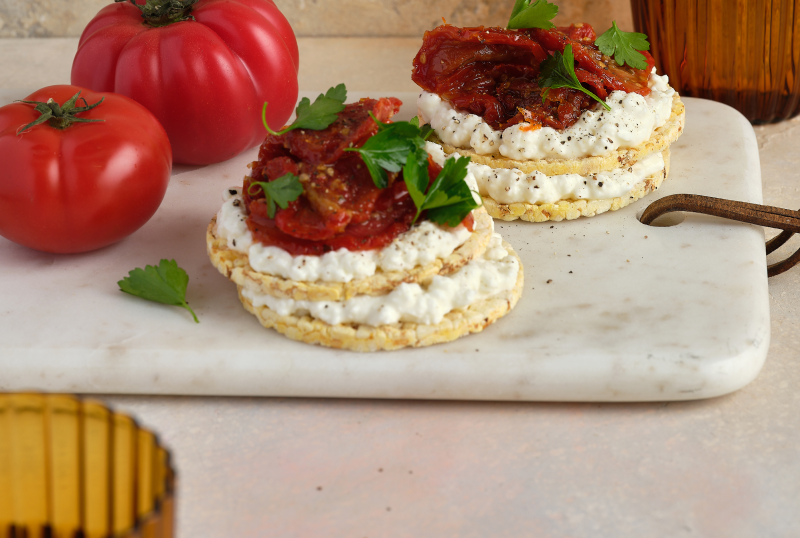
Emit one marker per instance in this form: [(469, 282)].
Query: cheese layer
[(510, 185), (496, 271), (631, 121), (421, 245)]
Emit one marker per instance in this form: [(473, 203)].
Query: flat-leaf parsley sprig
[(401, 146), (388, 148), (281, 191), (316, 116), (624, 46), (558, 71), (165, 283), (530, 14), (449, 199)]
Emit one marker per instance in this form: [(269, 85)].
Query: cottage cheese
[(510, 185), (631, 121), (496, 271), (421, 245)]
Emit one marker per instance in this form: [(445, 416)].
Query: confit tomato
[(205, 71), (85, 186)]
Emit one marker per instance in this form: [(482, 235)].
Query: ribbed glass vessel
[(745, 53), (74, 469)]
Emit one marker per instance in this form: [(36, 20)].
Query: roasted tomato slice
[(589, 58), (352, 128), (494, 72)]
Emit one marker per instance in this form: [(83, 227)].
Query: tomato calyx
[(157, 13), (60, 116)]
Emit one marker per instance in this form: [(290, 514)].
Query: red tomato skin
[(205, 80), (84, 187)]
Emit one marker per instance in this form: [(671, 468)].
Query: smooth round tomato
[(206, 79), (85, 186)]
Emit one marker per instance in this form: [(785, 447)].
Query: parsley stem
[(266, 125), (189, 308)]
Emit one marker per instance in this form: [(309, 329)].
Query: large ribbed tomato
[(204, 68), (86, 178)]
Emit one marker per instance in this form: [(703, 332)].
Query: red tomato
[(206, 80), (86, 186)]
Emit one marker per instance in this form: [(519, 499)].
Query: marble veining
[(613, 310)]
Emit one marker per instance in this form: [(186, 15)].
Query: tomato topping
[(493, 73), (352, 128), (587, 56), (340, 206)]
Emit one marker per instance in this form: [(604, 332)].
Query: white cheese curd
[(631, 120), (420, 245), (508, 185), (489, 275)]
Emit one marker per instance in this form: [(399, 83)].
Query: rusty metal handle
[(763, 215)]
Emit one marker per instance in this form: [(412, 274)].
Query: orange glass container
[(745, 53), (73, 468)]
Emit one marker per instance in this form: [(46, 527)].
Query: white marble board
[(631, 312)]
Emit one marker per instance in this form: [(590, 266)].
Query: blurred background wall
[(326, 18)]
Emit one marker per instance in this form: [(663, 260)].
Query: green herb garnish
[(387, 150), (316, 116), (529, 14), (558, 71), (401, 146), (281, 191), (425, 130), (165, 284), (449, 199), (624, 46)]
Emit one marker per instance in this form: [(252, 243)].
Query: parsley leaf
[(415, 175), (316, 116), (387, 150), (449, 199), (401, 146), (624, 46), (281, 191), (558, 71), (165, 284), (529, 14)]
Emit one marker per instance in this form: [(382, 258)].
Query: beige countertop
[(727, 467)]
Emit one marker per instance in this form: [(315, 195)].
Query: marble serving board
[(613, 310)]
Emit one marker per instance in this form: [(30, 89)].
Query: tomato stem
[(59, 116), (157, 13)]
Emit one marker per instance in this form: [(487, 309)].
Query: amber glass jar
[(72, 468), (745, 53)]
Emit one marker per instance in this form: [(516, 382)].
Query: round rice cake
[(235, 265), (357, 337), (660, 140), (572, 209)]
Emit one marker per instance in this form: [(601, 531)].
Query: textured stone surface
[(316, 18), (46, 18)]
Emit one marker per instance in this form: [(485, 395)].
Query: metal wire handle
[(763, 215)]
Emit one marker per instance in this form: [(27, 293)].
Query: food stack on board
[(346, 234), (556, 128)]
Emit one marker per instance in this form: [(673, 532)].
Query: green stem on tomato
[(59, 116), (157, 13)]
